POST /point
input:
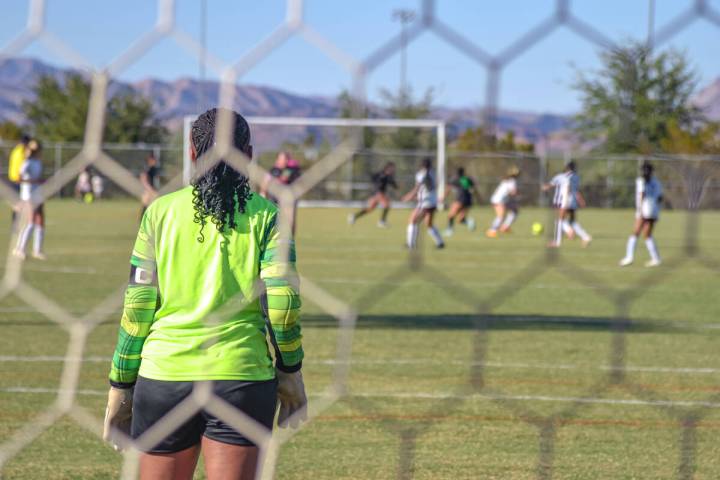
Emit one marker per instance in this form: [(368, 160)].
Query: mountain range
[(172, 100)]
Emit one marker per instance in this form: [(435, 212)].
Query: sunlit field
[(492, 358)]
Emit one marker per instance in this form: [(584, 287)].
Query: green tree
[(59, 113), (703, 140), (10, 131), (59, 110), (630, 101), (130, 120), (351, 108), (404, 105), (477, 140)]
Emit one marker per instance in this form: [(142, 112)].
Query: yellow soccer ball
[(537, 229)]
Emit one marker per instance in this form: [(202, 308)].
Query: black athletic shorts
[(464, 199), (153, 399)]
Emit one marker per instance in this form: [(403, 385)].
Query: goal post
[(437, 126)]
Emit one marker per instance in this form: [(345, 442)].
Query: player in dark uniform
[(285, 171), (149, 178), (382, 181), (464, 189)]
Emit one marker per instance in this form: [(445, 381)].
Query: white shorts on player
[(425, 193), (504, 202), (567, 200), (648, 197)]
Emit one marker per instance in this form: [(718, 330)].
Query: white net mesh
[(79, 327)]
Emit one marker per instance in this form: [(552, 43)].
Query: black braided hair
[(221, 190)]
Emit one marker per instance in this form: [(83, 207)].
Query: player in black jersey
[(382, 181), (285, 171), (464, 189)]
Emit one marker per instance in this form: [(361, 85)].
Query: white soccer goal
[(376, 123)]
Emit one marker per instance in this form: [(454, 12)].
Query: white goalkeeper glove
[(118, 415), (291, 395)]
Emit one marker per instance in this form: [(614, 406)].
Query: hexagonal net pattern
[(687, 414)]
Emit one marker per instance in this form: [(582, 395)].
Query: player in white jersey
[(425, 191), (648, 197), (567, 199), (30, 180), (504, 202)]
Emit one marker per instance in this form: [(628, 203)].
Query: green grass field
[(493, 360)]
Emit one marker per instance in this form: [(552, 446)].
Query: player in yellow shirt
[(15, 163)]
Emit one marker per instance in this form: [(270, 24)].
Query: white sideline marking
[(49, 358), (50, 390), (542, 398), (439, 396), (509, 365), (61, 269)]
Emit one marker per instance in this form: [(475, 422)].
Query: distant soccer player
[(149, 178), (558, 183), (15, 162), (504, 202), (567, 200), (425, 191), (30, 180), (285, 171), (98, 185), (83, 186), (381, 180), (648, 197), (464, 189)]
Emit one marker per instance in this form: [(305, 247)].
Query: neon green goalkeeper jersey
[(192, 308)]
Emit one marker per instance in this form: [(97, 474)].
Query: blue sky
[(539, 80)]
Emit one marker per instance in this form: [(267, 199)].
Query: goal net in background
[(310, 139)]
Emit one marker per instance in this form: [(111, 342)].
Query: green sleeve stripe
[(284, 319), (269, 230), (130, 343), (137, 318), (287, 336), (147, 264), (141, 293), (283, 301), (277, 282), (292, 358), (272, 254), (126, 363)]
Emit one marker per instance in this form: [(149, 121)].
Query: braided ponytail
[(221, 191)]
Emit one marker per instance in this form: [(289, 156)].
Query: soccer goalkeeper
[(204, 257)]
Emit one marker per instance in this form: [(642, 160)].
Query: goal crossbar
[(437, 125)]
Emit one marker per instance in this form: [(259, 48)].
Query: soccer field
[(489, 359)]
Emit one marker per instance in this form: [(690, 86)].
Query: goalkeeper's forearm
[(138, 313), (283, 310), (277, 271)]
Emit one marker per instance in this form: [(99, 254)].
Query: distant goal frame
[(437, 125)]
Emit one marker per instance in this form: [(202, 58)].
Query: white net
[(80, 326)]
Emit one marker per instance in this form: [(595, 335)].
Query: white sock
[(652, 249), (509, 219), (566, 227), (630, 249), (558, 232), (24, 237), (412, 233), (496, 223), (38, 240), (580, 231), (435, 236)]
